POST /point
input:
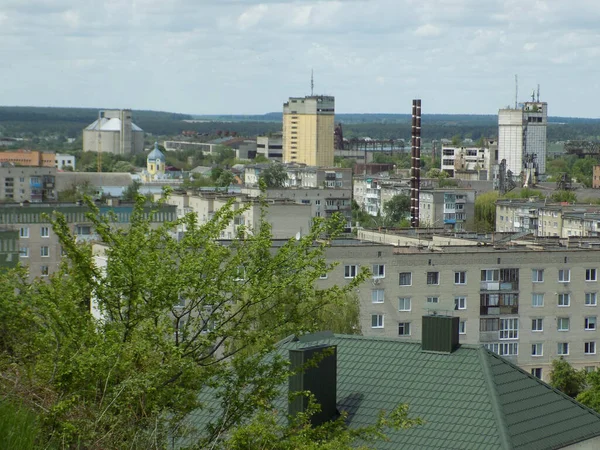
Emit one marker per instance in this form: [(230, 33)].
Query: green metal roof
[(471, 398)]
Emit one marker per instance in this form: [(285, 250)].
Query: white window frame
[(433, 300), (590, 323), (378, 319), (537, 295), (45, 232), (460, 277), (45, 251), (495, 273), (589, 348), (509, 348), (537, 325), (537, 275), (350, 271), (560, 348), (536, 372), (24, 232), (591, 298), (24, 252), (323, 276), (406, 326), (437, 278), (563, 324), (564, 275), (378, 270), (508, 328), (561, 299), (537, 349), (460, 302), (591, 275), (462, 327), (45, 270), (409, 274), (375, 297), (402, 301)]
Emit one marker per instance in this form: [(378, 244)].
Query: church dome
[(156, 154)]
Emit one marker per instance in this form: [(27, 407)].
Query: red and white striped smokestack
[(415, 172)]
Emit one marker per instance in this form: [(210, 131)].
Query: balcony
[(498, 310), (499, 286)]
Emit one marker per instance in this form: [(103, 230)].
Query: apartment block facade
[(467, 163), (31, 184), (448, 208), (528, 305), (28, 158), (308, 126)]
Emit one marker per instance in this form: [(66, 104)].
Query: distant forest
[(69, 122)]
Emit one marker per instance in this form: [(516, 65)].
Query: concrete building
[(62, 161), (371, 193), (522, 132), (287, 218), (31, 184), (308, 126), (39, 247), (453, 209), (204, 147), (596, 177), (467, 163), (271, 147), (105, 183), (9, 248), (31, 158), (530, 301), (113, 132)]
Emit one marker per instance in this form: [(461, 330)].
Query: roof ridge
[(502, 427)]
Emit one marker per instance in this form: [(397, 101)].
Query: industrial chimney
[(415, 171)]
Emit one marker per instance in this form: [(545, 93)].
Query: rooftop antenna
[(538, 93), (533, 95), (516, 90), (312, 83)]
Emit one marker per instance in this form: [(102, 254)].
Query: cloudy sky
[(248, 56)]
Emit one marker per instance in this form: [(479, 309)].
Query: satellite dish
[(298, 236)]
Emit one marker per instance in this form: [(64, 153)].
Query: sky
[(249, 56)]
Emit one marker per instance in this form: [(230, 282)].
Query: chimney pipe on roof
[(440, 333)]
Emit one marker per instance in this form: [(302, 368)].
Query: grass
[(19, 427)]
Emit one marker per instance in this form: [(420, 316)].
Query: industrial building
[(113, 132), (308, 127)]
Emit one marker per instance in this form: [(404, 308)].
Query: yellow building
[(155, 162), (308, 125)]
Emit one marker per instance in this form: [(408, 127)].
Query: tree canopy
[(274, 175), (396, 209)]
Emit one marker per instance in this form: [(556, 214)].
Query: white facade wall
[(63, 160), (510, 139)]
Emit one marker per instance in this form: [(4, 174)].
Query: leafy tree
[(130, 193), (436, 173), (485, 211), (122, 166), (76, 192), (225, 179), (456, 140), (524, 193), (174, 318), (274, 176), (260, 158), (397, 208), (591, 395), (564, 196), (566, 379)]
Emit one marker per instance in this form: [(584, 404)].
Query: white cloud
[(530, 46), (428, 30)]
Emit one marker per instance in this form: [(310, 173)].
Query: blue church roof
[(156, 154)]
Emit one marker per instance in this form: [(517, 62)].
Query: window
[(462, 327), (405, 279), (589, 369), (537, 349), (537, 275), (509, 349), (590, 323), (537, 372), (562, 348), (490, 275), (404, 329), (564, 299), (377, 295), (404, 304), (537, 324), (44, 271), (537, 300), (44, 251), (45, 232), (590, 274), (378, 270), (376, 320), (591, 299), (488, 324), (562, 324), (509, 328), (323, 276), (433, 300), (460, 277), (24, 252), (83, 230), (350, 271), (24, 232), (433, 278), (460, 302), (564, 275), (589, 348)]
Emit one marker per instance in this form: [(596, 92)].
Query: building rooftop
[(468, 399), (106, 124)]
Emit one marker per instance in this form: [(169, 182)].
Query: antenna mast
[(312, 83), (538, 93), (516, 90)]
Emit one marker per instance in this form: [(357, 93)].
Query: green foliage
[(396, 209), (174, 319), (564, 196), (456, 140), (19, 428), (436, 173), (131, 192), (591, 395), (274, 175), (566, 379), (77, 192), (485, 211), (524, 193)]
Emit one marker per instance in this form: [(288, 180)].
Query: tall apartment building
[(31, 184), (448, 208), (529, 302), (39, 247), (308, 127), (522, 132), (113, 132)]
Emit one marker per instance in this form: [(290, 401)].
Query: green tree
[(456, 140), (485, 211), (225, 179), (564, 196), (274, 176), (76, 192), (436, 173), (122, 166), (173, 318), (566, 379), (131, 192), (396, 208)]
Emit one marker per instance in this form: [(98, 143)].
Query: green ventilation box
[(440, 333)]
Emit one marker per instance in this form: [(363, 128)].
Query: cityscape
[(226, 275)]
